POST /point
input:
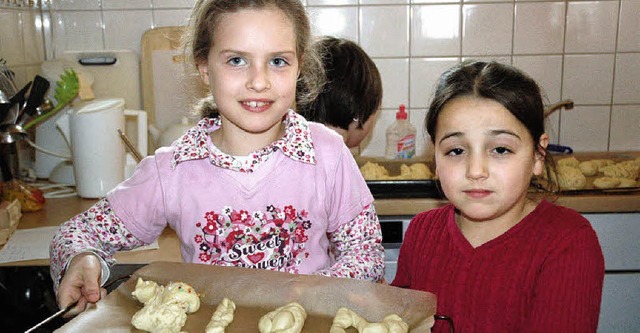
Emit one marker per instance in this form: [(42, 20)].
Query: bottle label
[(406, 147)]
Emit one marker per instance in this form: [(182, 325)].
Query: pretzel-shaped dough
[(222, 317), (165, 307), (346, 318), (285, 319)]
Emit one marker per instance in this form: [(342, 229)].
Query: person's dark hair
[(197, 40), (353, 88), (505, 84)]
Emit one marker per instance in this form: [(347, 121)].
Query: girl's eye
[(279, 62), (236, 61), (455, 152), (502, 150)]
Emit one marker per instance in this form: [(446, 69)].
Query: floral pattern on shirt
[(275, 240), (295, 144), (97, 230)]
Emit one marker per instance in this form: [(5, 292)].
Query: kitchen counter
[(59, 210)]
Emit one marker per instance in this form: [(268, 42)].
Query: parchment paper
[(257, 292)]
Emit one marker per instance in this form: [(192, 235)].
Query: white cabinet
[(619, 236)]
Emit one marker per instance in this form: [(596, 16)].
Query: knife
[(52, 317)]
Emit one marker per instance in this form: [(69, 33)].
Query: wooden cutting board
[(169, 86)]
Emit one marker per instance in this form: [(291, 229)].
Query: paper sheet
[(30, 244)]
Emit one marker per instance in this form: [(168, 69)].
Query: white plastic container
[(401, 137)]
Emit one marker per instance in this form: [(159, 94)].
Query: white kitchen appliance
[(110, 73)]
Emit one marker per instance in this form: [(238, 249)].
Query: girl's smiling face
[(251, 70), (485, 159)]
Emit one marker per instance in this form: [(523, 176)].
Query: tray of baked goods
[(182, 297), (409, 178), (596, 172)]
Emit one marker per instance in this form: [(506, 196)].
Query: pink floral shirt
[(221, 236)]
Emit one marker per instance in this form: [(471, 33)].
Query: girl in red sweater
[(497, 259)]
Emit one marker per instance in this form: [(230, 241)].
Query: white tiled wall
[(588, 50)]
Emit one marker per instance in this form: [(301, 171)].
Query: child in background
[(352, 94), (497, 259), (253, 184)]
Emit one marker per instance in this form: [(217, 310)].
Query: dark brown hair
[(505, 84), (353, 89)]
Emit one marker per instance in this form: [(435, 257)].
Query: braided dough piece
[(285, 319), (346, 318), (165, 307), (606, 182), (374, 171), (622, 170), (570, 178), (592, 167), (569, 161), (222, 316)]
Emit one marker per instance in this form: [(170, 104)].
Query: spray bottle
[(401, 137)]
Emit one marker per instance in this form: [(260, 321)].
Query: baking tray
[(405, 189)]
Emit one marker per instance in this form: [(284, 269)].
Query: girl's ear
[(540, 154), (203, 69)]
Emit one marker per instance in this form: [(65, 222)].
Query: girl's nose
[(258, 79), (477, 167)]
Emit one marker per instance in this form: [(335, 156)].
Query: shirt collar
[(295, 144)]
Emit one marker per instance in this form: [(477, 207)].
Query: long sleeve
[(569, 287), (358, 248), (96, 230)]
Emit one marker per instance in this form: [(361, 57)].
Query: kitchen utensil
[(7, 84), (70, 306), (17, 102), (35, 99), (99, 158), (130, 146), (10, 133), (65, 92)]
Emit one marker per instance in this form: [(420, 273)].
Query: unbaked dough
[(592, 167), (222, 316), (606, 182), (165, 307), (627, 169), (375, 171), (285, 319), (569, 161), (571, 178), (346, 318)]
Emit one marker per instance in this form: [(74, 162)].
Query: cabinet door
[(620, 303)]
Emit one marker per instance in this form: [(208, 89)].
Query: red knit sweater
[(545, 274)]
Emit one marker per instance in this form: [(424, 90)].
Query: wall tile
[(126, 4), (173, 3), (11, 41), (586, 128), (77, 30), (170, 17), (487, 29), (383, 2), (625, 128), (423, 143), (331, 2), (539, 28), (376, 144), (384, 31), (335, 21), (424, 75), (552, 127), (627, 79), (433, 1), (591, 26), (546, 70), (33, 37), (395, 83), (588, 78), (75, 4), (628, 36), (435, 30), (123, 29)]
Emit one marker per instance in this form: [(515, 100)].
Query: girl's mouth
[(478, 193), (256, 106)]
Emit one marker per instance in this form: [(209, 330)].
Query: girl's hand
[(81, 283)]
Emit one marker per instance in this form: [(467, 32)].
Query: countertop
[(59, 210)]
